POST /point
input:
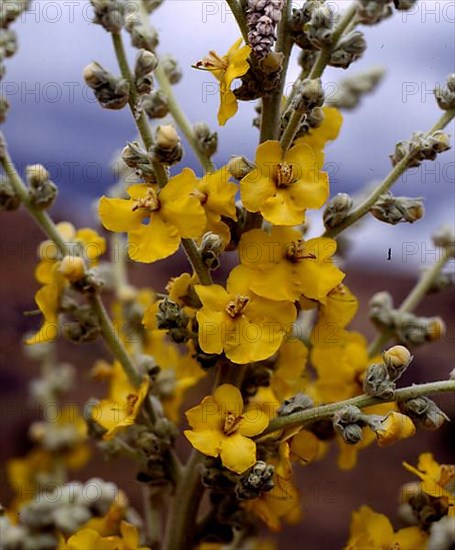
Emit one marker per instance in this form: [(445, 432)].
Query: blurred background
[(55, 120)]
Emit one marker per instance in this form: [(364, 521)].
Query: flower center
[(235, 307), (231, 423), (295, 251), (200, 196), (150, 202), (213, 62), (284, 175)]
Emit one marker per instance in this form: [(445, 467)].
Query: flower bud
[(72, 268), (381, 308), (134, 154), (318, 29), (444, 237), (350, 48), (336, 210), (9, 200), (446, 96), (211, 248), (42, 192), (404, 5), (206, 139), (239, 167), (393, 210), (425, 412), (109, 14), (397, 360), (171, 69), (146, 63), (350, 90), (309, 95), (155, 104), (435, 329), (142, 37), (298, 402), (111, 92), (346, 423), (168, 147), (371, 12), (258, 479), (377, 382)]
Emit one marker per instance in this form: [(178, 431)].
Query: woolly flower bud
[(392, 428), (109, 14), (446, 96), (299, 402), (42, 191), (336, 210), (155, 104), (393, 210), (346, 424), (141, 36), (207, 140), (168, 147), (371, 12), (171, 69), (350, 48), (444, 237), (239, 167), (262, 18), (319, 28), (310, 94), (350, 90), (134, 154), (381, 308), (111, 92), (211, 248), (425, 411), (72, 268), (397, 360), (442, 534), (146, 63), (258, 479), (377, 382)]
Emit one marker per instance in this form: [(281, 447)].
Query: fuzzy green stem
[(238, 13), (141, 120), (181, 120), (322, 412), (413, 300), (195, 259), (387, 183)]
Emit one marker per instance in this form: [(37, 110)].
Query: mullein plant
[(289, 377)]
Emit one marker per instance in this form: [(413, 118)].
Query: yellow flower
[(170, 214), (283, 186), (282, 266), (226, 69), (217, 196), (47, 299), (338, 311), (222, 427), (372, 530), (89, 539), (245, 326), (438, 480), (394, 427), (317, 138), (123, 405)]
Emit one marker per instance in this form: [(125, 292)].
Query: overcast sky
[(54, 119)]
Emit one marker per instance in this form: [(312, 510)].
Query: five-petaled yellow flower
[(283, 266), (247, 327), (226, 69), (222, 426), (155, 219), (283, 186)]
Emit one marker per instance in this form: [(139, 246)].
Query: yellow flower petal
[(228, 398), (117, 214), (152, 242), (238, 453), (206, 415), (207, 442), (254, 421)]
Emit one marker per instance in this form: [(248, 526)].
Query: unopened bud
[(381, 308), (346, 423), (9, 200), (109, 14), (134, 154), (142, 36), (393, 210), (397, 360), (435, 329), (309, 95), (155, 104), (111, 92), (350, 48), (272, 62), (239, 167), (404, 5), (298, 402), (42, 192), (350, 90), (336, 210), (371, 12), (377, 382), (211, 248), (166, 137), (36, 175), (444, 237), (72, 268), (207, 140), (171, 68), (425, 412), (146, 63), (446, 96)]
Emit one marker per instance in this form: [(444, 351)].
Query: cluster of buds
[(42, 192), (263, 77), (348, 423), (255, 481), (206, 139), (262, 17), (81, 324), (393, 210), (421, 147), (297, 21), (407, 327), (142, 36), (110, 14), (172, 318), (309, 95), (111, 92), (9, 199), (319, 25), (425, 412), (167, 147), (371, 12), (155, 104), (350, 48), (446, 96), (146, 63), (380, 378), (337, 210), (136, 157), (350, 90)]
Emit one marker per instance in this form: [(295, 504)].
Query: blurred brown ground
[(329, 495)]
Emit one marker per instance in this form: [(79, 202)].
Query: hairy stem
[(413, 300), (387, 183), (303, 418), (195, 259)]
